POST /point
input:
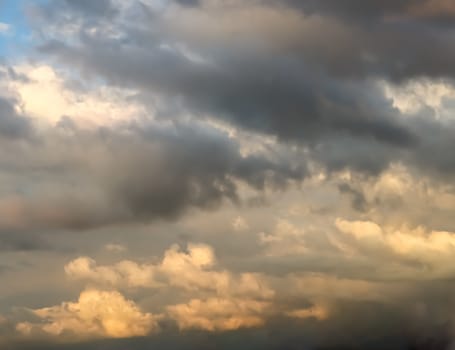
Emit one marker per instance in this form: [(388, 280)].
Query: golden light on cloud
[(96, 314), (216, 314), (318, 312), (46, 97), (191, 270)]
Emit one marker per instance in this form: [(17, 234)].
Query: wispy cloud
[(5, 28)]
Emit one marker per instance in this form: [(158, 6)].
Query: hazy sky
[(227, 174)]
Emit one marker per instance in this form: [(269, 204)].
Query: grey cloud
[(12, 125), (87, 7), (315, 92), (59, 13), (137, 173), (433, 10), (376, 46), (276, 97), (190, 3), (273, 95), (357, 198), (321, 98), (312, 86), (304, 91), (11, 241), (15, 76), (353, 7), (379, 38)]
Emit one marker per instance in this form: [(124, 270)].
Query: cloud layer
[(199, 174)]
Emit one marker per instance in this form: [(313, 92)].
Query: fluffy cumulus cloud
[(191, 271), (208, 174), (232, 300), (95, 314)]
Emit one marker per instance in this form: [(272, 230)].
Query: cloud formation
[(192, 271), (309, 78), (210, 174), (126, 172)]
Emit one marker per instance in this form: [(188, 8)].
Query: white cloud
[(46, 96), (416, 95)]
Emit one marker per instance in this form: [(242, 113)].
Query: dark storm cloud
[(309, 81), (434, 10), (379, 46), (311, 85), (352, 7), (138, 173), (380, 38), (272, 95)]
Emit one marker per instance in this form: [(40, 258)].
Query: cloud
[(193, 270), (190, 3), (403, 195), (432, 250), (96, 314), (307, 144), (116, 248), (240, 224), (289, 83), (11, 242), (124, 173), (12, 125), (431, 10), (49, 95), (286, 239), (317, 312), (4, 28), (442, 9), (336, 123), (218, 314)]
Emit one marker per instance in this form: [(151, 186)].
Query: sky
[(227, 174)]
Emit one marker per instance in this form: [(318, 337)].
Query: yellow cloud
[(318, 312), (433, 249), (360, 229), (217, 314), (46, 96), (97, 314), (193, 270)]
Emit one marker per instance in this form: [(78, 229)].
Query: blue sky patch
[(14, 30)]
